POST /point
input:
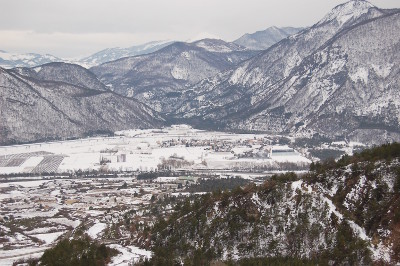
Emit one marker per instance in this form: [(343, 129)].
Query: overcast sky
[(74, 28)]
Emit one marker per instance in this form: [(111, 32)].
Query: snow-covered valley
[(177, 147)]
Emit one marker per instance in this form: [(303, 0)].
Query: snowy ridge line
[(350, 28), (350, 10)]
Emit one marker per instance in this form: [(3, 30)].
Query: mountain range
[(338, 78), (12, 60), (257, 41), (158, 79)]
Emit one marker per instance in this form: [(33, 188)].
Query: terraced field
[(39, 162), (16, 160), (49, 164)]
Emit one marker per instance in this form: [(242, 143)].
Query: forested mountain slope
[(68, 103), (344, 212)]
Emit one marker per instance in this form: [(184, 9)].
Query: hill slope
[(339, 213), (63, 72), (34, 108)]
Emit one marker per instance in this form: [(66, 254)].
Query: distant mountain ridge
[(262, 40), (111, 54), (11, 60), (158, 79)]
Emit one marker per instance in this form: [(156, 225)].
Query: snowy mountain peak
[(261, 40), (274, 28), (348, 11)]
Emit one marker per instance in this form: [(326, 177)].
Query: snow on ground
[(128, 255), (78, 161), (7, 257), (10, 170), (350, 144), (382, 252), (165, 179), (180, 73), (379, 251), (41, 230), (49, 238), (345, 12), (360, 75), (295, 186), (12, 194), (241, 149), (33, 214), (55, 192), (94, 213), (257, 201), (32, 161), (290, 158), (249, 176), (25, 184), (360, 232), (355, 193), (178, 194), (56, 206), (96, 229), (145, 150), (7, 261)]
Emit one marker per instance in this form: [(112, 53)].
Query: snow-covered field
[(128, 255), (146, 150)]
